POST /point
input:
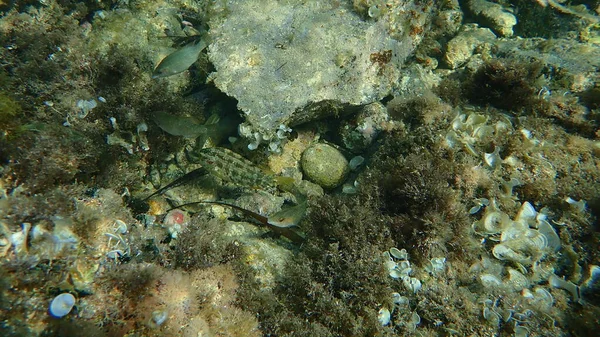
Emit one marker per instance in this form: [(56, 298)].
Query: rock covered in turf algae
[(324, 165), (289, 62)]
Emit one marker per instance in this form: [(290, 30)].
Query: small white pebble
[(62, 305)]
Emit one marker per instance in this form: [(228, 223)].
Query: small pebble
[(62, 305), (324, 165)]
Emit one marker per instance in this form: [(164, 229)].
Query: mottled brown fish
[(231, 167)]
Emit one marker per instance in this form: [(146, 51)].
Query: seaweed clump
[(336, 283), (504, 84)]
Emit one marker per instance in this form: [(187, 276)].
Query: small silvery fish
[(179, 60), (215, 128), (179, 125)]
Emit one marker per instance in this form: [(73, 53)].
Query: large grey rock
[(288, 62)]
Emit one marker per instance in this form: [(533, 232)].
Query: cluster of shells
[(399, 267), (524, 240)]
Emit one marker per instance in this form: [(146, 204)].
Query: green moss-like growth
[(539, 21), (133, 280), (9, 108), (202, 245), (336, 284)]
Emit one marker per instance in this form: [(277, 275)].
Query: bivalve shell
[(503, 252)]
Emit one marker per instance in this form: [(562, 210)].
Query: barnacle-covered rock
[(291, 62), (494, 16), (460, 49), (359, 132)]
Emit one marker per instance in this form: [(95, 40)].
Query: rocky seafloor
[(299, 168)]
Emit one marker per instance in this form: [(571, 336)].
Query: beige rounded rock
[(324, 165)]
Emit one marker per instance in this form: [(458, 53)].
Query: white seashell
[(399, 300), (511, 184), (490, 281), (579, 205), (491, 316), (526, 214), (415, 319), (593, 278), (4, 246), (38, 233), (517, 280), (482, 132), (503, 252), (120, 226), (403, 265), (390, 265), (513, 231), (384, 316), (400, 254), (494, 222), (521, 331), (436, 265), (544, 270), (406, 271), (115, 254), (159, 317), (355, 162), (411, 283), (493, 159), (474, 209), (459, 121), (5, 239), (552, 239), (476, 119), (475, 267), (395, 274), (536, 240), (507, 315), (439, 262), (470, 149), (386, 255), (527, 294), (543, 299), (571, 287), (452, 139)]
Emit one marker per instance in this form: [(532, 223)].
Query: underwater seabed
[(268, 168)]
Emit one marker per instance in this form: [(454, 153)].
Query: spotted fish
[(231, 167)]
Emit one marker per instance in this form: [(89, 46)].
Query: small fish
[(288, 228), (216, 128), (179, 60), (232, 167), (193, 175), (289, 216), (188, 127)]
